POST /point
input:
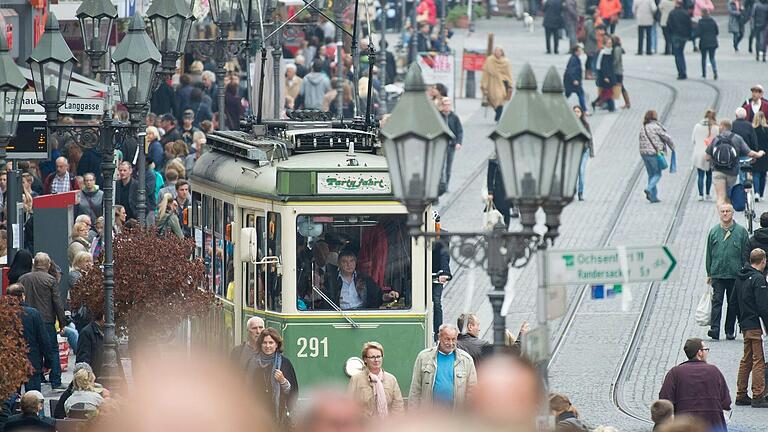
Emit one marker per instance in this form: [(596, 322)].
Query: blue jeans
[(700, 181), (654, 38), (70, 332), (52, 355), (678, 49), (654, 175), (582, 100), (758, 178), (582, 170), (711, 53)]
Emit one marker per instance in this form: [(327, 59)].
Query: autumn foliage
[(156, 283), (14, 365)]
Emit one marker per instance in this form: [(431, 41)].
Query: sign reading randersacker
[(346, 183)]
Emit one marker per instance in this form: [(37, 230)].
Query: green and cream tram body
[(261, 205)]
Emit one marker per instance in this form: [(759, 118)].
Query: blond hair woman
[(497, 82), (377, 391), (760, 166), (703, 133), (78, 241)]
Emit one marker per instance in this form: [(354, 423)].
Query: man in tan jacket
[(443, 374)]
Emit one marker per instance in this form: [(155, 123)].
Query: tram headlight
[(353, 366)]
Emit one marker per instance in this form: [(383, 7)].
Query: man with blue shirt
[(444, 374)]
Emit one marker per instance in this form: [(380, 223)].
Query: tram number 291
[(312, 347)]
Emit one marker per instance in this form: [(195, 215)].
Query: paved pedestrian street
[(609, 360)]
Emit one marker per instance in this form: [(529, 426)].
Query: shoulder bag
[(660, 158)]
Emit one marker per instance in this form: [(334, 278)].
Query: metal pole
[(497, 270), (339, 74), (110, 371), (355, 60), (141, 207), (413, 48), (12, 196), (383, 46), (277, 53), (546, 422), (442, 26), (221, 61)]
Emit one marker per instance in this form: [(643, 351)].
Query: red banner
[(472, 61)]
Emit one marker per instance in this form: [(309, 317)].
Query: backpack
[(724, 156)]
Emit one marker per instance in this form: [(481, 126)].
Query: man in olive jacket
[(442, 375), (727, 245)]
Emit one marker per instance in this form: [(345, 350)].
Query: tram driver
[(351, 289)]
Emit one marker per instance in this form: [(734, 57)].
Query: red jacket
[(763, 107)]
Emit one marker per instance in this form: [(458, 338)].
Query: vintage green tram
[(271, 210)]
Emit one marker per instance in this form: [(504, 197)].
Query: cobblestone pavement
[(601, 329)]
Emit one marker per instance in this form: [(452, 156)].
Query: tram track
[(627, 361)]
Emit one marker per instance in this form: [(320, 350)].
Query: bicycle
[(745, 174)]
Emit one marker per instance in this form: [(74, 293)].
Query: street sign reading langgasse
[(609, 266)]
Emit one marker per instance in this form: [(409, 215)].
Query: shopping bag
[(491, 216), (617, 91), (63, 352), (704, 309)]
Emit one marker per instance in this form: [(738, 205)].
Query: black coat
[(553, 14), (29, 423), (367, 289), (707, 31), (475, 347), (760, 15), (260, 380), (34, 334), (758, 240), (761, 164), (573, 72), (605, 70), (90, 162), (163, 99), (59, 412), (454, 124), (90, 347), (752, 298), (744, 129), (679, 23), (496, 188), (128, 197), (441, 260)]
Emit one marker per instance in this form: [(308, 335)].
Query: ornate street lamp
[(96, 19), (12, 84), (136, 59), (51, 63), (415, 143), (225, 12), (171, 23)]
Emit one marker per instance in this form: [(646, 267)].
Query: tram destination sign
[(616, 265), (353, 183)]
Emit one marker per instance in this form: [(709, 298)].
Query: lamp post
[(224, 14), (136, 59), (96, 19), (12, 85), (171, 23), (537, 140)]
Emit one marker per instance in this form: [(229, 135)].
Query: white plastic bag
[(704, 309), (491, 216)]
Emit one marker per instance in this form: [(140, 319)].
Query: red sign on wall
[(472, 61)]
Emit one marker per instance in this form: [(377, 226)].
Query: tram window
[(208, 245), (229, 251), (207, 212), (353, 262), (218, 255), (273, 279), (197, 214), (253, 277)]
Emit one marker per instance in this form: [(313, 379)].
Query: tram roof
[(321, 175)]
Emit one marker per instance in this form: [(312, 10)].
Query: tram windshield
[(353, 262)]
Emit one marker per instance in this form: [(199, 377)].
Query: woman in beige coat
[(497, 81), (377, 391)]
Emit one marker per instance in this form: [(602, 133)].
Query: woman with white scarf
[(377, 391)]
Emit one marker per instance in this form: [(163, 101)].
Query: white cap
[(757, 87)]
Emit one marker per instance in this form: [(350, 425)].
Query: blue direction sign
[(609, 266)]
